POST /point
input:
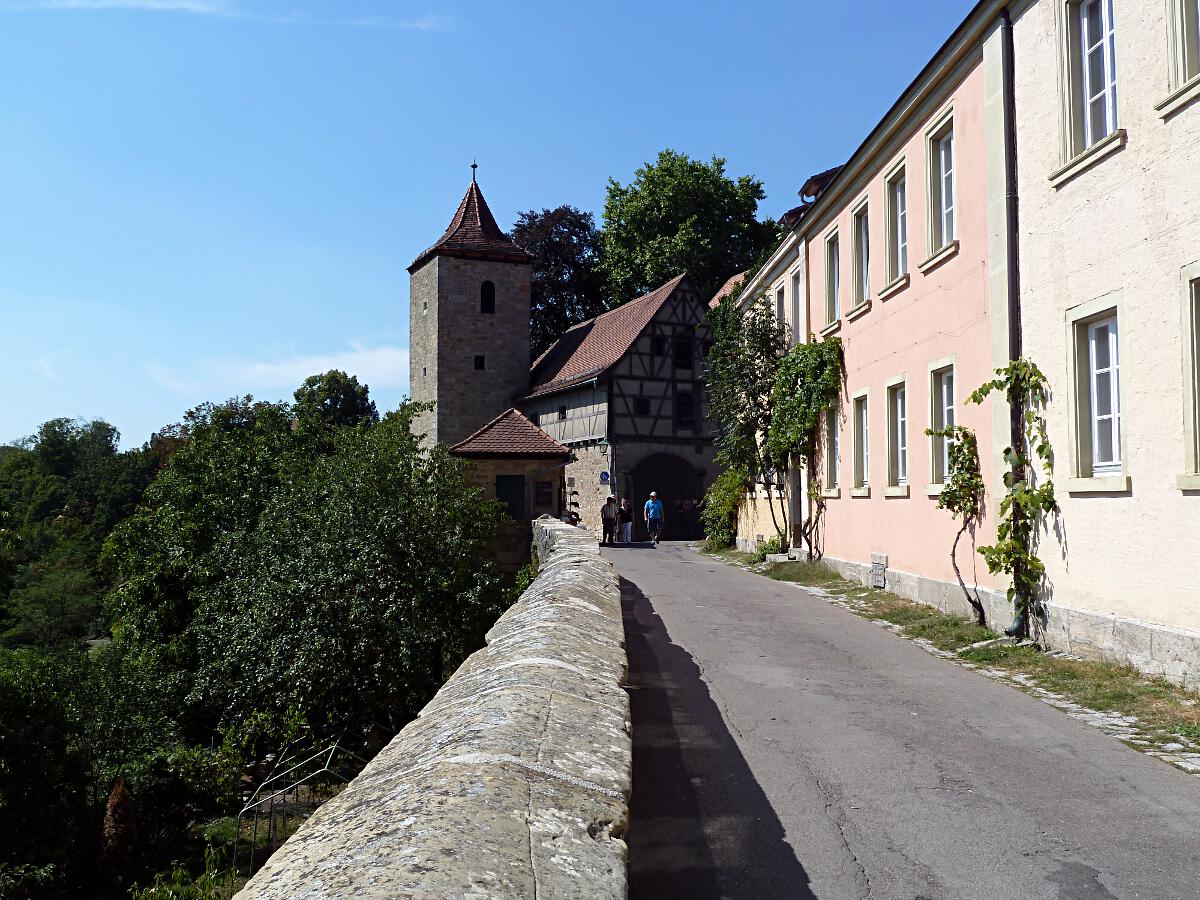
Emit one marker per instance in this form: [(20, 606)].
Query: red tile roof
[(474, 234), (592, 347), (726, 290), (510, 434)]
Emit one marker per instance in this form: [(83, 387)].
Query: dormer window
[(487, 298)]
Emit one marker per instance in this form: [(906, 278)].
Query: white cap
[(654, 493)]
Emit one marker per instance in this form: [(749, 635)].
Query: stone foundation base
[(1173, 653)]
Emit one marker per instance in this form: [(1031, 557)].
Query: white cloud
[(228, 9), (381, 367), (45, 366)]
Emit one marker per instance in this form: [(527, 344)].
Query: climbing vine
[(719, 512), (962, 496), (1027, 500), (807, 383)]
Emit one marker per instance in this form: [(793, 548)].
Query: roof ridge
[(474, 234)]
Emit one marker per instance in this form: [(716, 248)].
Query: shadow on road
[(700, 826)]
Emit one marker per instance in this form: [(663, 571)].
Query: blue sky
[(208, 198)]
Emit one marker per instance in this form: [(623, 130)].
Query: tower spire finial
[(474, 166)]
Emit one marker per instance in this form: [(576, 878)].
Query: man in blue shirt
[(653, 514)]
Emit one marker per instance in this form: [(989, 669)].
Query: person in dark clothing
[(608, 518), (625, 522)]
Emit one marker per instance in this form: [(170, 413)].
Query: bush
[(719, 512), (774, 545)]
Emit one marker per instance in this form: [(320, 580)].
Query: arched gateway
[(680, 486)]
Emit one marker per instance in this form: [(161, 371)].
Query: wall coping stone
[(513, 781)]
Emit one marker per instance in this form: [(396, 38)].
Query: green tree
[(742, 367), (334, 399), (566, 288), (681, 215)]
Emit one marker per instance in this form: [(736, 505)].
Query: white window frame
[(896, 192), (833, 278), (943, 414), (1190, 288), (897, 434), (860, 427), (833, 451), (1088, 475), (781, 305), (1103, 46), (798, 332), (1109, 422), (942, 179), (861, 221)]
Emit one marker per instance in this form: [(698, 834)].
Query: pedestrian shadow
[(700, 826)]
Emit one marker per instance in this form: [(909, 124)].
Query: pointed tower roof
[(474, 234)]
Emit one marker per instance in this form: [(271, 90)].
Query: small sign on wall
[(605, 478)]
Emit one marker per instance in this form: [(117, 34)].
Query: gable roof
[(726, 289), (510, 434), (592, 347), (474, 234)]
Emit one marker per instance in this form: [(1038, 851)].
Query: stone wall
[(584, 485), (513, 782)]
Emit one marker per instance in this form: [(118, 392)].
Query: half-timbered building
[(625, 391)]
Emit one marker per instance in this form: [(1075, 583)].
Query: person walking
[(653, 515), (625, 522), (608, 518)]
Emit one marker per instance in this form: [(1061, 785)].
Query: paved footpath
[(783, 747)]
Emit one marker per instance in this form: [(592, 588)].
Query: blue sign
[(604, 478)]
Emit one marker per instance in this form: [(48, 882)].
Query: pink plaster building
[(902, 253)]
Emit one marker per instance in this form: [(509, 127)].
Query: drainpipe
[(1020, 625)]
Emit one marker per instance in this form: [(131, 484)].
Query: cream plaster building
[(1108, 154), (918, 255)]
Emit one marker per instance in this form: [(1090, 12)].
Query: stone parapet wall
[(513, 782)]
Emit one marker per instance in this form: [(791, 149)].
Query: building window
[(897, 217), (832, 449), (941, 187), (685, 410), (641, 406), (1184, 26), (780, 306), (479, 363), (941, 386), (683, 352), (862, 257), (487, 298), (862, 449), (424, 371), (1098, 65), (797, 320), (897, 402), (562, 414), (658, 345), (1191, 343), (1104, 396), (833, 280)]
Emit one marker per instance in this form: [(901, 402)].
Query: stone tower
[(468, 323)]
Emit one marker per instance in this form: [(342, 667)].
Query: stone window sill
[(831, 493), (831, 328), (1098, 484), (858, 310), (895, 287), (1180, 98), (945, 253), (1102, 149), (863, 491), (896, 490), (933, 490), (1188, 482)]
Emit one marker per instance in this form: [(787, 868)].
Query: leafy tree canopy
[(566, 286), (334, 399), (681, 215)]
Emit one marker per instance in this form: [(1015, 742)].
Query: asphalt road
[(783, 747)]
